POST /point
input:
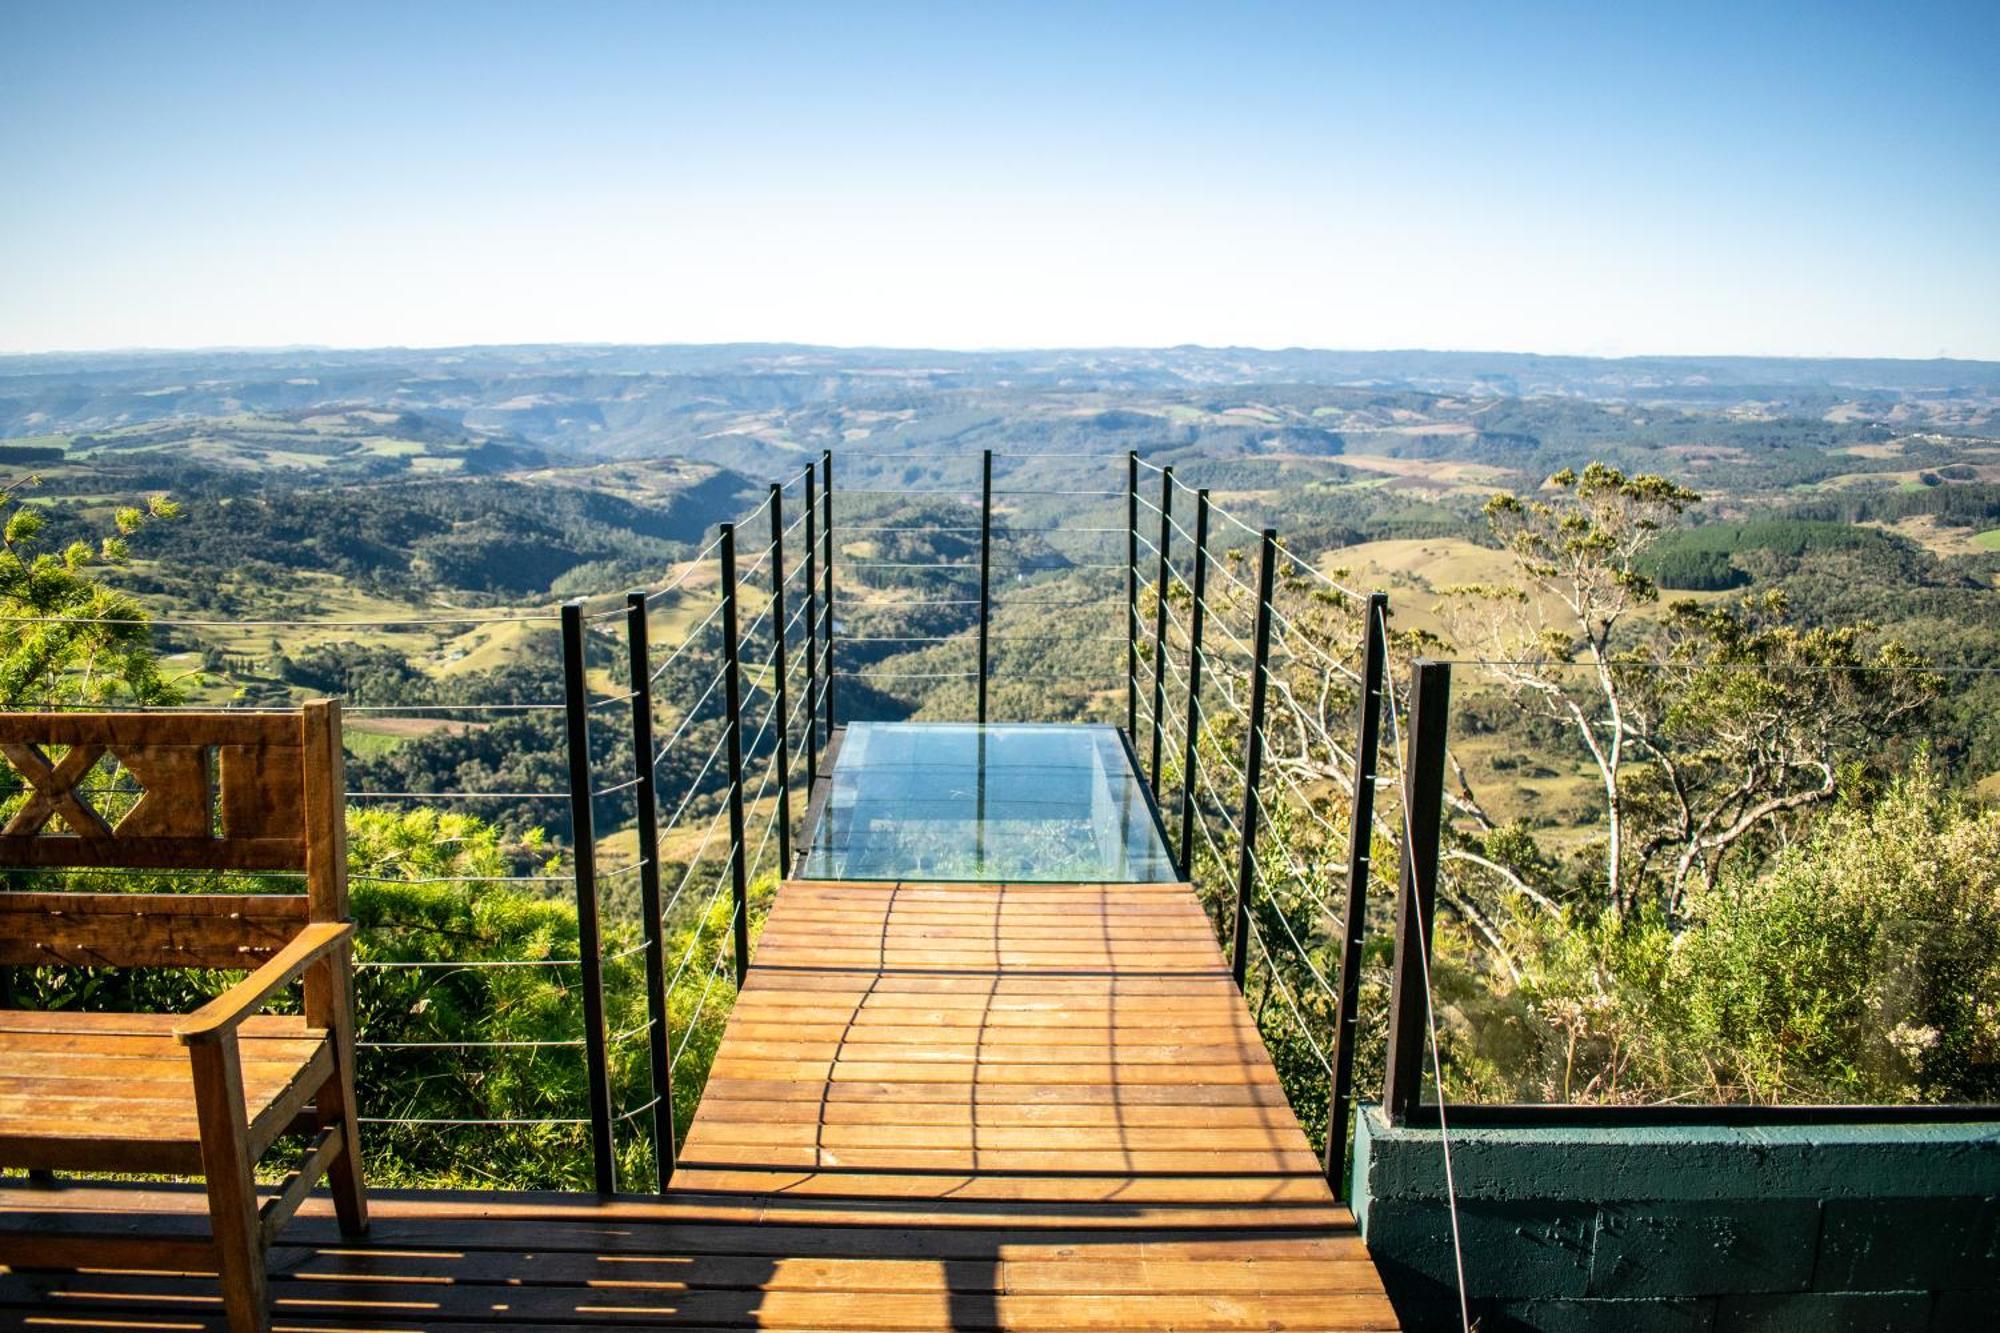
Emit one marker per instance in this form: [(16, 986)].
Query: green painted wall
[(1875, 1227)]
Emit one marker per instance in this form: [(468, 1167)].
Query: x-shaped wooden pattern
[(54, 784)]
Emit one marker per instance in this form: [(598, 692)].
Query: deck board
[(935, 1106)]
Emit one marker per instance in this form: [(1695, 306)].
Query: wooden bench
[(206, 1093)]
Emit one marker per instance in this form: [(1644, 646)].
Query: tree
[(64, 636), (1580, 552), (1864, 964), (1706, 729), (1744, 720)]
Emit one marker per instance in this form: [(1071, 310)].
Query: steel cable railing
[(1232, 711), (1035, 550)]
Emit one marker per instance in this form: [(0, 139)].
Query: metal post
[(826, 575), (1360, 826), (638, 642), (732, 702), (1160, 620), (782, 755), (985, 569), (576, 715), (1253, 758), (1416, 902), (1132, 594), (1191, 752), (812, 634)]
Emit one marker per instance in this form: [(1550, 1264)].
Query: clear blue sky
[(1668, 177)]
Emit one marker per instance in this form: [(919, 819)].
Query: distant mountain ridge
[(755, 404)]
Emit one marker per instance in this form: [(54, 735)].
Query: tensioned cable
[(1306, 804), (1067, 457), (361, 1044), (694, 786), (532, 617), (637, 1111), (1327, 579), (908, 675), (1290, 627), (701, 1005), (1327, 909), (1055, 603), (1305, 957), (688, 874), (701, 922), (911, 564), (1270, 963), (457, 795), (464, 879), (693, 563), (392, 963), (1228, 517), (1430, 1024), (901, 603), (957, 493), (913, 527), (411, 710), (687, 718), (687, 642), (411, 1120)]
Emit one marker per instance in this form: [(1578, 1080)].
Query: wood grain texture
[(701, 1260), (116, 1092), (172, 760), (242, 930), (206, 1094), (967, 1107)]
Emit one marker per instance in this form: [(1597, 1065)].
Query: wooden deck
[(936, 1106)]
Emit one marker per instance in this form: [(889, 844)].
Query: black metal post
[(782, 755), (576, 716), (1191, 754), (1132, 593), (1160, 620), (1416, 902), (826, 575), (812, 634), (1253, 758), (638, 642), (985, 569), (732, 702), (1360, 825)]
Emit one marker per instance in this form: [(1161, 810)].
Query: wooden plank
[(70, 1020), (1113, 1137), (902, 1090), (368, 1304), (962, 1106), (277, 729), (237, 930), (984, 1114), (172, 825)]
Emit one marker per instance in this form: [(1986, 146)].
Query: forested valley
[(1773, 585)]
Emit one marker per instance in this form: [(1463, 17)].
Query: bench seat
[(115, 1092)]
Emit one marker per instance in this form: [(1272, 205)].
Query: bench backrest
[(221, 791)]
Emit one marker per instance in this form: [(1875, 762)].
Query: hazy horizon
[(247, 349), (1712, 180)]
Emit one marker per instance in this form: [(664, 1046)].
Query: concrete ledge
[(1687, 1227)]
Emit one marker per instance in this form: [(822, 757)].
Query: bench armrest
[(221, 1016)]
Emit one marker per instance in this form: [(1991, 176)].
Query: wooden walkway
[(936, 1106)]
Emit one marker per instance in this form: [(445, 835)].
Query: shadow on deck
[(936, 1106)]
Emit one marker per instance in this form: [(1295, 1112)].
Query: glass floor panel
[(1057, 803)]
